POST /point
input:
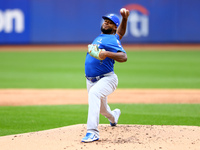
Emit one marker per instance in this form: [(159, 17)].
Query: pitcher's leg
[(99, 89), (106, 111), (112, 82), (93, 111)]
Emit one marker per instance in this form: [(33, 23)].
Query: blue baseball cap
[(113, 18)]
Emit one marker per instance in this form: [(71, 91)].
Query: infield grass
[(144, 69), (22, 119)]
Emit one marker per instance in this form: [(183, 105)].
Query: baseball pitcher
[(99, 71)]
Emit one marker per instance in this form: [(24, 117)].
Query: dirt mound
[(140, 137)]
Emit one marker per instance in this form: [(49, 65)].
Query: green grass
[(144, 69), (22, 119), (42, 69), (160, 69)]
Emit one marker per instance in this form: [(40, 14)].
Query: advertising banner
[(63, 22), (14, 22)]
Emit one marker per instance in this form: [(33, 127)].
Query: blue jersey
[(95, 67)]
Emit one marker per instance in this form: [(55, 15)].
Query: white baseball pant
[(97, 100)]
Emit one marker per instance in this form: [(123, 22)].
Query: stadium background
[(75, 22)]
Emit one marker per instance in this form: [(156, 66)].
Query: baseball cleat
[(90, 137), (117, 113), (113, 124)]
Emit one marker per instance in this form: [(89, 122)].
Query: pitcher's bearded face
[(108, 27), (106, 31)]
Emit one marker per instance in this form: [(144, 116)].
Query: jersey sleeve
[(114, 45)]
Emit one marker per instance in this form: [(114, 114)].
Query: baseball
[(123, 10)]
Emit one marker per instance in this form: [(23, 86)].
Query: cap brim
[(105, 17)]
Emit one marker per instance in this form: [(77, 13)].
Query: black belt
[(94, 79)]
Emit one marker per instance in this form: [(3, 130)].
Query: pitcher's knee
[(95, 93)]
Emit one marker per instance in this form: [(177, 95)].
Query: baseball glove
[(94, 51)]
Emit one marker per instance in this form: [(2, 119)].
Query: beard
[(107, 31)]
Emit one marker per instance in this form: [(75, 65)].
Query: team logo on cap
[(111, 15)]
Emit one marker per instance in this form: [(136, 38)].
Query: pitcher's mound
[(122, 137)]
